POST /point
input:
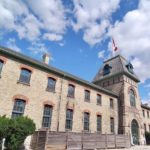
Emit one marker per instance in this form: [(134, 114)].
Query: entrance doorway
[(135, 132)]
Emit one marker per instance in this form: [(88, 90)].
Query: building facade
[(59, 101)]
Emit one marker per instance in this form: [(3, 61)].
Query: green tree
[(16, 131)]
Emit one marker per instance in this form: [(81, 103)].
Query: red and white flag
[(115, 48)]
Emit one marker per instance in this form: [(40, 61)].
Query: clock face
[(130, 67)]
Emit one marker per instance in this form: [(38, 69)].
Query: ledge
[(19, 82)]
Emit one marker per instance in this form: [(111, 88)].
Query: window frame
[(51, 87), (86, 95), (143, 113), (21, 80), (99, 98), (86, 121), (47, 116), (1, 66), (99, 123), (147, 114), (15, 112), (132, 98), (112, 125), (145, 128), (69, 119), (111, 103), (106, 69), (72, 94)]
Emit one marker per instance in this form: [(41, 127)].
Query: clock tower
[(117, 75)]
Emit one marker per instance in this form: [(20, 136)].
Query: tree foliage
[(15, 131)]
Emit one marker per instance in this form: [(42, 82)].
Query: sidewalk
[(135, 148)]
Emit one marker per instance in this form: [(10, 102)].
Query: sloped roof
[(118, 66), (49, 69)]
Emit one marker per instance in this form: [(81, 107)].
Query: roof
[(118, 65), (145, 106), (49, 69)]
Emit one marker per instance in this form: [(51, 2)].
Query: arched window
[(25, 76), (1, 65), (106, 69), (18, 109), (69, 119), (132, 98), (71, 90), (51, 84), (47, 116), (86, 121)]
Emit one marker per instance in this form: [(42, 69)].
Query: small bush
[(15, 131), (147, 136)]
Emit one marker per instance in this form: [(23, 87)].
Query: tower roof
[(116, 65)]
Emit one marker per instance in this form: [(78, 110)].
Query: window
[(51, 84), (106, 69), (99, 101), (132, 98), (69, 119), (86, 121), (25, 76), (18, 109), (145, 127), (1, 65), (111, 103), (87, 95), (99, 123), (148, 114), (112, 125), (71, 90), (143, 113), (47, 115)]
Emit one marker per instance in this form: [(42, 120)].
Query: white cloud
[(33, 18), (51, 13), (11, 43), (132, 36), (52, 37), (101, 54), (38, 48), (61, 44), (93, 18)]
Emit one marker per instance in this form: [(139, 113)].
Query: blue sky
[(78, 33)]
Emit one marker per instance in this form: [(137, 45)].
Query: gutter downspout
[(59, 102)]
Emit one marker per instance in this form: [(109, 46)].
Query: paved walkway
[(135, 148)]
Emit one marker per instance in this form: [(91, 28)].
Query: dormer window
[(130, 67), (106, 69)]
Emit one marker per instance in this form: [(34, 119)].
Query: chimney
[(46, 58)]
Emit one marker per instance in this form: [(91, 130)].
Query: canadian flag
[(115, 48)]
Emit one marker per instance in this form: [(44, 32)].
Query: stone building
[(59, 101)]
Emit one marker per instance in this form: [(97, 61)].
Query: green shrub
[(16, 131), (4, 126), (147, 136)]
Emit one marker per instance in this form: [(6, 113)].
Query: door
[(135, 132)]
